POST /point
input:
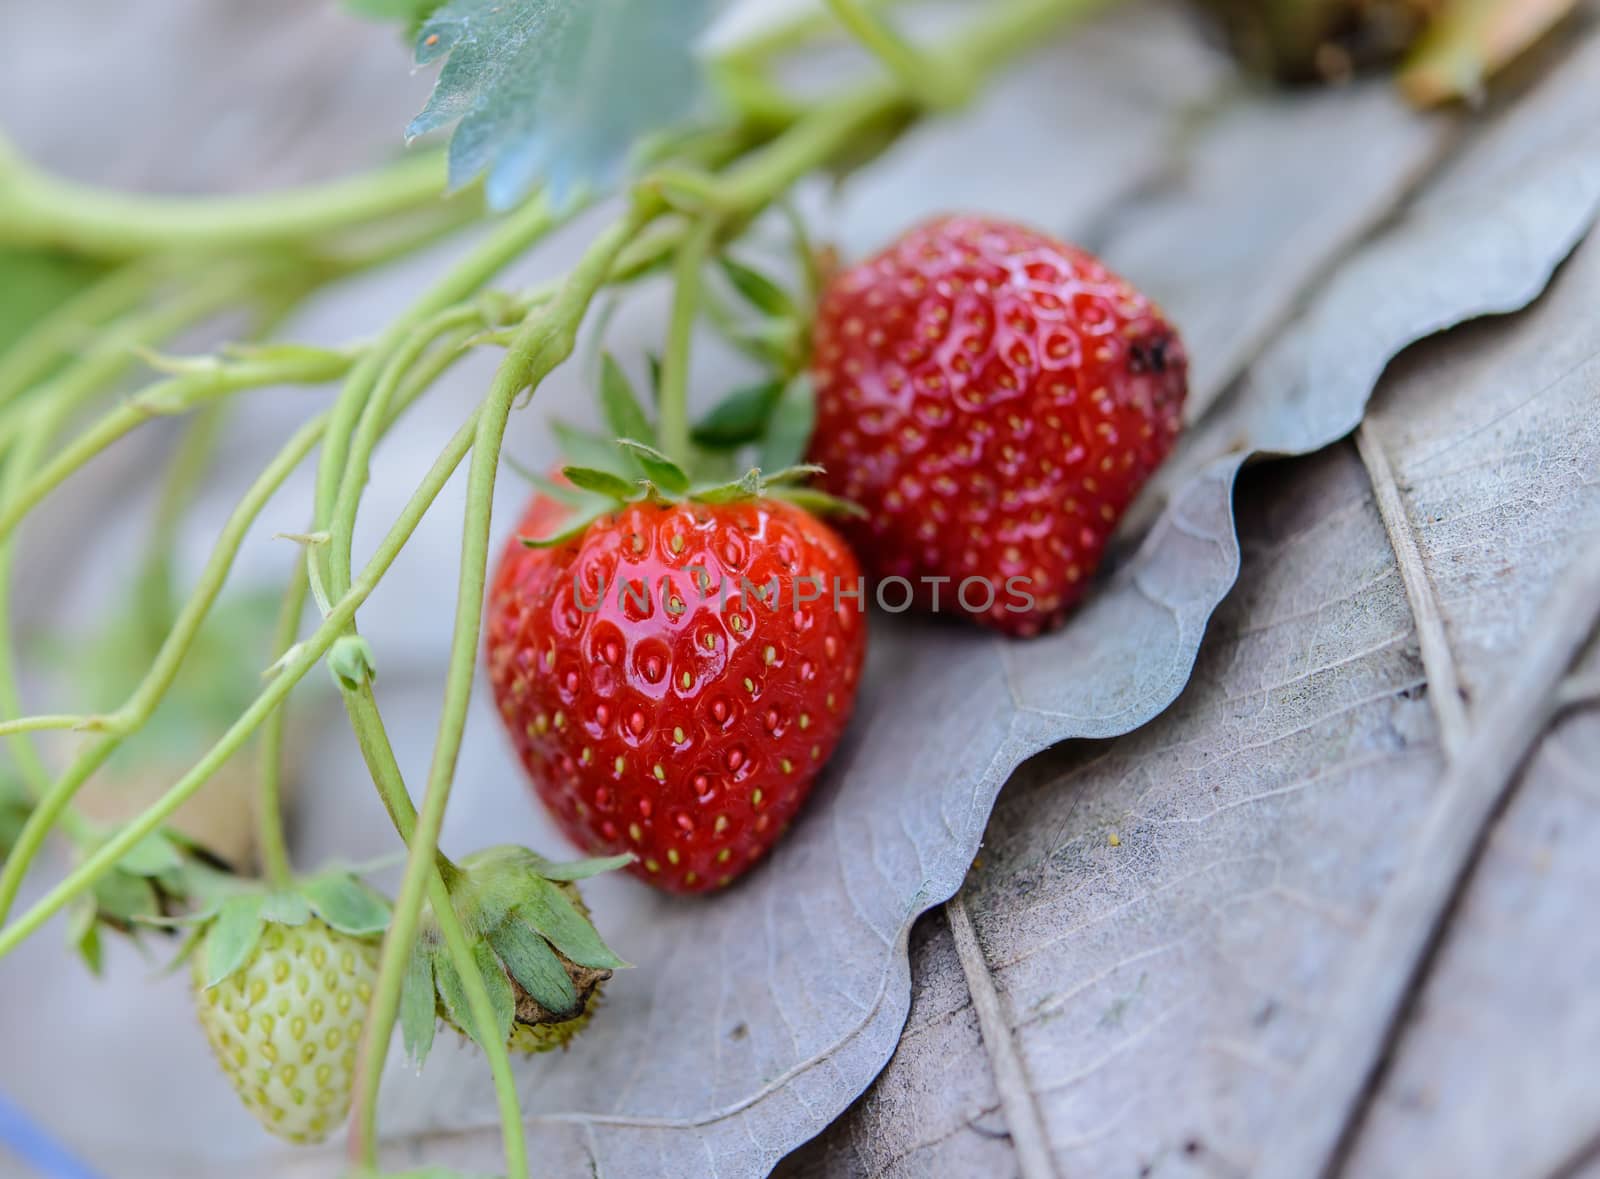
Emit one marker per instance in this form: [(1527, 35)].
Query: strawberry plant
[(558, 106)]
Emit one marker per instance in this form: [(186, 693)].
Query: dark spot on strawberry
[(1149, 355)]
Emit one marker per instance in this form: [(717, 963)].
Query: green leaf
[(410, 13), (346, 904), (557, 91), (601, 482), (285, 908), (534, 964), (653, 359), (660, 470), (760, 291), (494, 980), (33, 283), (820, 503), (123, 897), (83, 935), (789, 429), (772, 342), (152, 856), (551, 912), (750, 486), (625, 417), (582, 869), (14, 811), (570, 531), (192, 941), (418, 1006), (740, 418), (799, 473), (587, 449), (233, 936)]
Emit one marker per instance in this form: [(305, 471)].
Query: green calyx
[(541, 958), (148, 885), (232, 915), (604, 492)]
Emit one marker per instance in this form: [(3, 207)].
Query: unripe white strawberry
[(286, 1024)]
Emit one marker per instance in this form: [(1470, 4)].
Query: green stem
[(37, 209), (142, 703), (673, 410), (547, 338), (66, 329), (185, 471), (787, 35), (34, 772), (515, 234), (40, 723), (483, 1017), (939, 82), (369, 427), (40, 420), (172, 396), (385, 772), (151, 690), (115, 350), (269, 785), (306, 656)]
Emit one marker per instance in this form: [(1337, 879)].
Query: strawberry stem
[(37, 209), (307, 655), (939, 82), (674, 394), (546, 338), (269, 771), (385, 770)]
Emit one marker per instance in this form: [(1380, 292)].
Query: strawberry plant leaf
[(285, 908), (233, 937), (624, 416), (556, 91), (83, 935), (534, 964), (151, 856), (123, 897), (588, 449), (761, 292), (347, 904), (572, 530), (551, 912), (14, 811), (661, 470), (789, 428), (560, 492), (581, 869), (749, 486), (454, 993), (601, 482), (653, 360), (410, 13), (740, 418), (819, 503), (418, 1006), (34, 283)]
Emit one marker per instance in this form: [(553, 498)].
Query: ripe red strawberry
[(994, 399), (685, 724)]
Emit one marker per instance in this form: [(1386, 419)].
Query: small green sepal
[(658, 468), (352, 663)]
